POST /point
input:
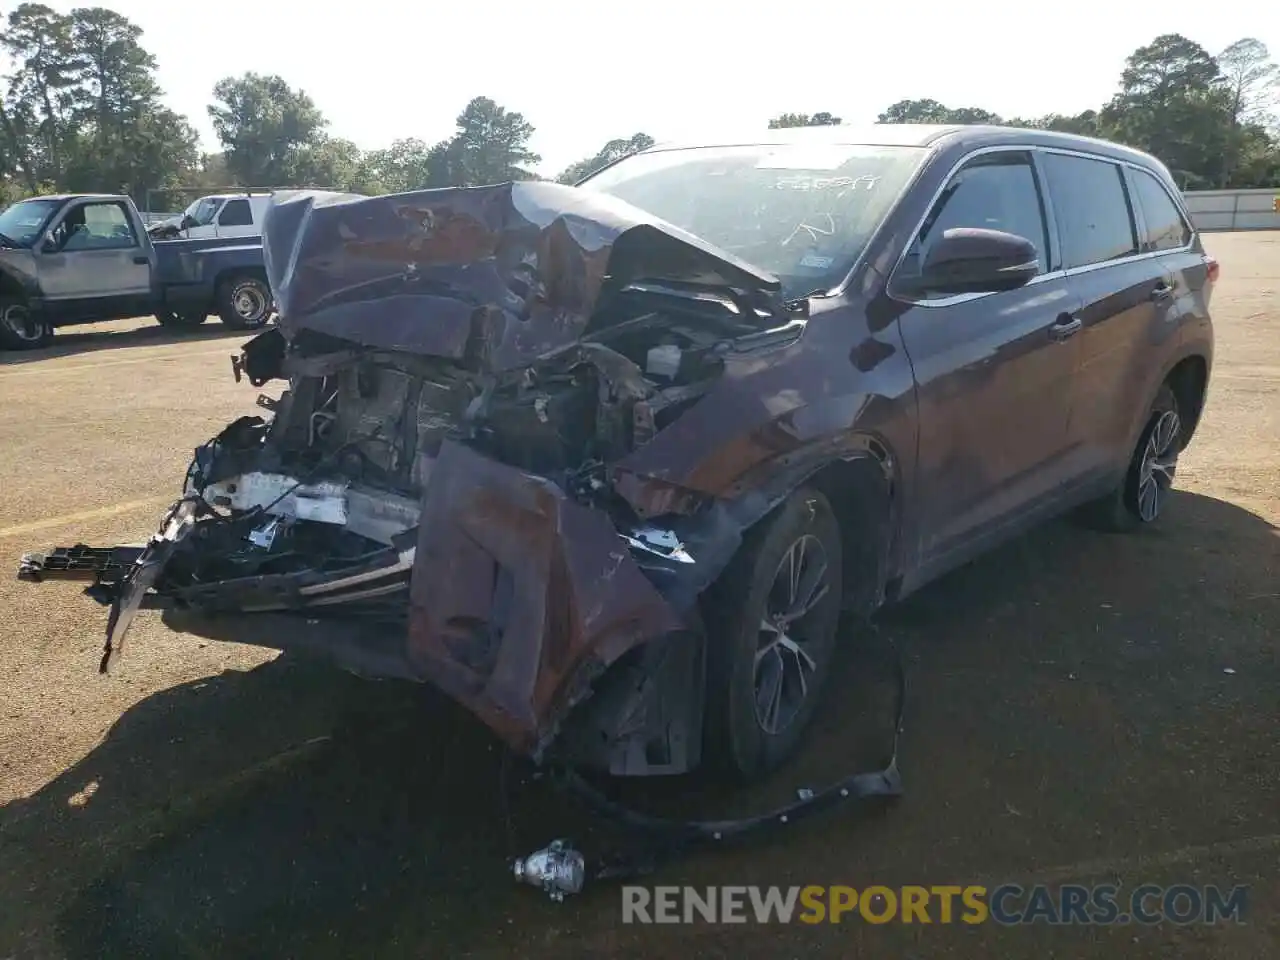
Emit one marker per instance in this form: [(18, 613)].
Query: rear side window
[(1165, 227), (1092, 208), (995, 191), (236, 214)]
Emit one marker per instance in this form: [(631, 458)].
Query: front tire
[(1139, 500), (244, 303), (772, 619), (20, 329)]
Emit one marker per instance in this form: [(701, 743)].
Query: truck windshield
[(801, 211), (204, 210), (21, 223)]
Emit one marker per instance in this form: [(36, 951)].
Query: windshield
[(204, 210), (801, 211), (22, 222)]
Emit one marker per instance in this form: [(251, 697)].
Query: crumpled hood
[(175, 222), (498, 275)]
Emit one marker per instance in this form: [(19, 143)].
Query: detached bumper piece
[(119, 576), (96, 564)]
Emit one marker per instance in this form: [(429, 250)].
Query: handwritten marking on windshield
[(814, 232), (825, 183)]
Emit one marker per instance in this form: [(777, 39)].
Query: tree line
[(1208, 118), (81, 111)]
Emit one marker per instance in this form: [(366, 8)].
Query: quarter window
[(1165, 227), (1092, 208), (995, 191)]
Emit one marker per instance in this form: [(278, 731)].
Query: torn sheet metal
[(495, 276), (519, 594), (133, 587)]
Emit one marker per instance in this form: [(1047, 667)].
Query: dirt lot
[(1072, 717)]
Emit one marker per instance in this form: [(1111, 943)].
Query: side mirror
[(50, 245), (188, 221), (977, 260)]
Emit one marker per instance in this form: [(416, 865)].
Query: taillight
[(1213, 268)]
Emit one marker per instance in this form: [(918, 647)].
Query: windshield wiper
[(7, 241), (796, 303)]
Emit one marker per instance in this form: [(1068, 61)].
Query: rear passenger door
[(993, 370), (1126, 293)]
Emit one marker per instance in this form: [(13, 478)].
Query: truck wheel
[(244, 303), (1140, 497), (772, 619), (20, 329), (181, 321)]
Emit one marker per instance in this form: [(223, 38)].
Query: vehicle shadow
[(293, 810), (72, 340)]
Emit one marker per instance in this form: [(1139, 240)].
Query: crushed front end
[(436, 496)]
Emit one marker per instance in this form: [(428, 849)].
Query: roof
[(918, 135), (875, 134), (80, 196)]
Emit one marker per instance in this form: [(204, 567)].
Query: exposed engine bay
[(335, 475), (372, 415)]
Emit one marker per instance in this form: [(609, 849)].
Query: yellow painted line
[(113, 510), (30, 370)]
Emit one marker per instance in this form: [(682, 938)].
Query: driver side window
[(71, 225), (93, 226), (995, 191)]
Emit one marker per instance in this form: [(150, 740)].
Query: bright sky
[(586, 72)]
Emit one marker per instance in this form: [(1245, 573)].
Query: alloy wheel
[(1159, 463), (784, 667)]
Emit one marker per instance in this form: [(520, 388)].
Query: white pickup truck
[(216, 215)]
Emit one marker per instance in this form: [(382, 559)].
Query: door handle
[(1066, 326), (1161, 291), (141, 261)]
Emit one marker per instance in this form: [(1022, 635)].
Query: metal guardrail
[(1234, 209)]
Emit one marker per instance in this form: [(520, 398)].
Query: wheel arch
[(1188, 378), (860, 479), (1187, 375), (861, 491), (229, 274)]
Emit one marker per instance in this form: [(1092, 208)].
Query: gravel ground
[(1082, 708)]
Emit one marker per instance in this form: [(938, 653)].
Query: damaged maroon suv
[(607, 463)]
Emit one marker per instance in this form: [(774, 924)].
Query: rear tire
[(1139, 499), (766, 661), (20, 329), (244, 303)]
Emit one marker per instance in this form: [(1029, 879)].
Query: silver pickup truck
[(84, 258)]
